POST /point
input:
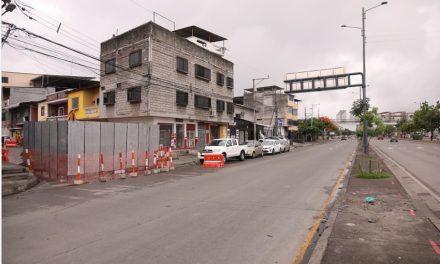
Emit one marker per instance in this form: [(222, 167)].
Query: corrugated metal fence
[(55, 146)]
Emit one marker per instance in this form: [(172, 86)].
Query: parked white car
[(285, 143), (228, 147), (271, 146)]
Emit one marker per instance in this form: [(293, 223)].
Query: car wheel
[(224, 158), (253, 155), (242, 156), (201, 161)]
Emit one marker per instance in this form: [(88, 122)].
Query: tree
[(312, 128), (389, 129), (357, 108), (427, 117), (375, 124), (328, 124)]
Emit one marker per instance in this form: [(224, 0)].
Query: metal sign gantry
[(324, 83)]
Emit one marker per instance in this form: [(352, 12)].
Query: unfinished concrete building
[(176, 79)]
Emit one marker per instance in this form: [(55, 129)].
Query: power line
[(54, 51), (58, 22), (71, 49), (55, 27), (49, 55)]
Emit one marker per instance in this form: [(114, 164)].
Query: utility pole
[(364, 86), (255, 102), (364, 78)]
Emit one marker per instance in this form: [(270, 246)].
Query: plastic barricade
[(212, 160), (5, 154)]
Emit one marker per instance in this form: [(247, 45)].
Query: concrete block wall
[(160, 47)]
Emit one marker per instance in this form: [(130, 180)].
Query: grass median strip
[(372, 175)]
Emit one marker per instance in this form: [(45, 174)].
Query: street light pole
[(255, 103), (364, 86), (364, 78)]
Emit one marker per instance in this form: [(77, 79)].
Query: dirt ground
[(390, 230)]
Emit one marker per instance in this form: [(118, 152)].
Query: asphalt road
[(256, 211), (421, 159)]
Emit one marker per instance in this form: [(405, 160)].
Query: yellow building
[(292, 113), (83, 103)]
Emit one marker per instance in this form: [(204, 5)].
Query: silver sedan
[(254, 149)]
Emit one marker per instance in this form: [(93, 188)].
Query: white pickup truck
[(228, 147)]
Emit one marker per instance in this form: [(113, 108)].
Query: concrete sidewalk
[(390, 230), (181, 160)]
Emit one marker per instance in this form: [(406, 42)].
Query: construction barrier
[(133, 172), (147, 170), (5, 154), (28, 159), (212, 160), (78, 179), (156, 168), (78, 151), (121, 171), (11, 143), (102, 177)]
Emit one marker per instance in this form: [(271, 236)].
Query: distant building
[(34, 97), (395, 117), (243, 128), (178, 80), (345, 116), (276, 111)]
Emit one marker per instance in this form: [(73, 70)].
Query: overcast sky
[(267, 38)]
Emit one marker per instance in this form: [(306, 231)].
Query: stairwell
[(16, 178)]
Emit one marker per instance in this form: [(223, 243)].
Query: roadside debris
[(370, 200)]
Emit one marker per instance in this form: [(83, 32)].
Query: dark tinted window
[(135, 58), (202, 102), (182, 65), (109, 98), (202, 73), (181, 98), (220, 79), (5, 79), (110, 66), (134, 94), (220, 106), (230, 108), (229, 82), (75, 102)]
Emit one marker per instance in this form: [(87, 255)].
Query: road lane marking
[(409, 174), (309, 239)]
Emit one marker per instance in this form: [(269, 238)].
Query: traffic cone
[(78, 179), (147, 167)]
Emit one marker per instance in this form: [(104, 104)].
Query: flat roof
[(64, 80), (198, 32), (265, 88)]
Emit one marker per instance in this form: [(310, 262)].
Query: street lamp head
[(343, 25), (384, 3)]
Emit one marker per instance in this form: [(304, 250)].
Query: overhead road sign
[(322, 80)]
